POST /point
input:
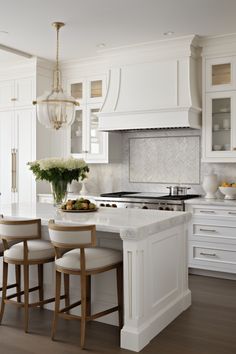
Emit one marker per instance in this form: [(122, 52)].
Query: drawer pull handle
[(208, 230), (207, 211), (208, 254), (232, 213)]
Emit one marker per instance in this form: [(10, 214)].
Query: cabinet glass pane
[(95, 134), (221, 74), (77, 90), (96, 89), (76, 133), (221, 124)]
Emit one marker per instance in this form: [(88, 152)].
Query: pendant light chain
[(57, 58)]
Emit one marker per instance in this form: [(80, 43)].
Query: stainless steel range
[(139, 200)]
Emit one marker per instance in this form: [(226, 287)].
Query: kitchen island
[(154, 245)]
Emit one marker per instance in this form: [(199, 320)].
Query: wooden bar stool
[(29, 250), (84, 260)]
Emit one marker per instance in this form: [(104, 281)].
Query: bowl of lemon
[(228, 189)]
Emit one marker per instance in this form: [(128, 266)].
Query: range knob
[(167, 208), (108, 205), (114, 206), (144, 207), (102, 205), (160, 208)]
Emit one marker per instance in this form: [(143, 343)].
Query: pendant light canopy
[(56, 109)]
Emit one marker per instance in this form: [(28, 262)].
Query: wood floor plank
[(207, 327)]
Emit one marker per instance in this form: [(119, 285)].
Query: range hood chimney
[(157, 87)]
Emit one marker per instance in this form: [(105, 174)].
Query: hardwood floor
[(207, 327)]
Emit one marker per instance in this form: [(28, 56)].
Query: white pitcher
[(210, 185)]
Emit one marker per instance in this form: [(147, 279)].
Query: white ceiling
[(113, 22)]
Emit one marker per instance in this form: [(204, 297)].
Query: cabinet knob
[(13, 99)]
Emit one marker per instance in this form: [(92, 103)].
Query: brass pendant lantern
[(56, 109)]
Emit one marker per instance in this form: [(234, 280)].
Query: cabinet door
[(6, 94), (96, 89), (220, 74), (24, 92), (220, 125), (77, 89), (78, 133), (97, 141), (7, 182), (25, 124)]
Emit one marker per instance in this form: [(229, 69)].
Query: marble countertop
[(129, 223), (216, 201)]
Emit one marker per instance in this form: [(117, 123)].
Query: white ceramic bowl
[(229, 192)]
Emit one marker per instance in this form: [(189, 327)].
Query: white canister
[(210, 185)]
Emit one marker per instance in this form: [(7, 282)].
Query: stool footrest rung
[(22, 293), (66, 309), (88, 318)]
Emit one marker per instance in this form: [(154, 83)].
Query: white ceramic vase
[(83, 190), (210, 185)]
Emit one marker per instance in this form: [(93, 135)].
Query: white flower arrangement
[(54, 162), (59, 169)]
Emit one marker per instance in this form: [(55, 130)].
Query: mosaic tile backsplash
[(174, 159)]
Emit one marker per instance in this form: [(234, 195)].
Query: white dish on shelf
[(217, 147), (229, 192)]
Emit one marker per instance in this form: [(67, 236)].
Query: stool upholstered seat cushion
[(38, 249), (94, 258)]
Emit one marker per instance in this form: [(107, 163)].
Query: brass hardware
[(207, 211), (207, 230), (208, 254), (76, 103), (13, 99), (13, 170)]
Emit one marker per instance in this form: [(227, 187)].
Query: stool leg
[(57, 303), (4, 288), (26, 295), (67, 289), (88, 293), (83, 310), (18, 281), (119, 278), (40, 282)]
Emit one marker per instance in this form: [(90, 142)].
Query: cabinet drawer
[(208, 212), (214, 231), (210, 256), (214, 254)]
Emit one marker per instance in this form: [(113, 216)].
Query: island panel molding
[(153, 160)]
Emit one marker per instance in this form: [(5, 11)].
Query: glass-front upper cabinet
[(88, 90), (220, 74), (77, 133), (220, 125)]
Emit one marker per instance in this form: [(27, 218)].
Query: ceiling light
[(56, 109), (168, 33), (101, 45)]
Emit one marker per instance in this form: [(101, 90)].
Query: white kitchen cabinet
[(212, 238), (220, 74), (220, 127), (16, 93), (17, 141), (84, 138), (219, 108)]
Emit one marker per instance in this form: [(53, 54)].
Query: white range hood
[(157, 89)]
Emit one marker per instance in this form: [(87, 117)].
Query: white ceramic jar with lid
[(210, 185)]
